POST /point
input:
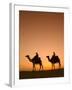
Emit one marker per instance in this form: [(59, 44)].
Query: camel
[(34, 61), (54, 60)]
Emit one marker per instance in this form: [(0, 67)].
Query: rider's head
[(36, 53), (53, 53)]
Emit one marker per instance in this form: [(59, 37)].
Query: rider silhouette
[(36, 56), (53, 55)]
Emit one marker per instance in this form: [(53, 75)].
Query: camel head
[(27, 56), (48, 58)]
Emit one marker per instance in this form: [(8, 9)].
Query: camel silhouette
[(54, 60), (34, 61)]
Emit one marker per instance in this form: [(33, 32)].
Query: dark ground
[(41, 74)]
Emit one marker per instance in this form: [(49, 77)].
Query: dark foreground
[(41, 74)]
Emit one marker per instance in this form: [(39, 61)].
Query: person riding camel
[(36, 56), (53, 55)]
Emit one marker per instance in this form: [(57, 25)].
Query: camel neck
[(29, 59), (49, 58)]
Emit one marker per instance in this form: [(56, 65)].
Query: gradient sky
[(41, 32)]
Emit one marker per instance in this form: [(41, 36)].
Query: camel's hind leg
[(59, 65), (41, 66), (52, 66), (34, 67)]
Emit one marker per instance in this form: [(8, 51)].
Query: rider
[(37, 56), (53, 55)]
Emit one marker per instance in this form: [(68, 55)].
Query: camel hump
[(57, 56), (39, 58)]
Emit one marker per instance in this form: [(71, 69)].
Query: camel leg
[(33, 67), (42, 67), (52, 66), (59, 65)]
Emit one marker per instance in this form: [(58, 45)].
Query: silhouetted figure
[(35, 60), (36, 56), (54, 60), (53, 55)]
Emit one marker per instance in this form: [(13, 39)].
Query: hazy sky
[(41, 32)]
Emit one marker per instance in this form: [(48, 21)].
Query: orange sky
[(41, 32)]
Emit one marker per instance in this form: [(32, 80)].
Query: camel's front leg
[(40, 68), (52, 66), (33, 67)]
